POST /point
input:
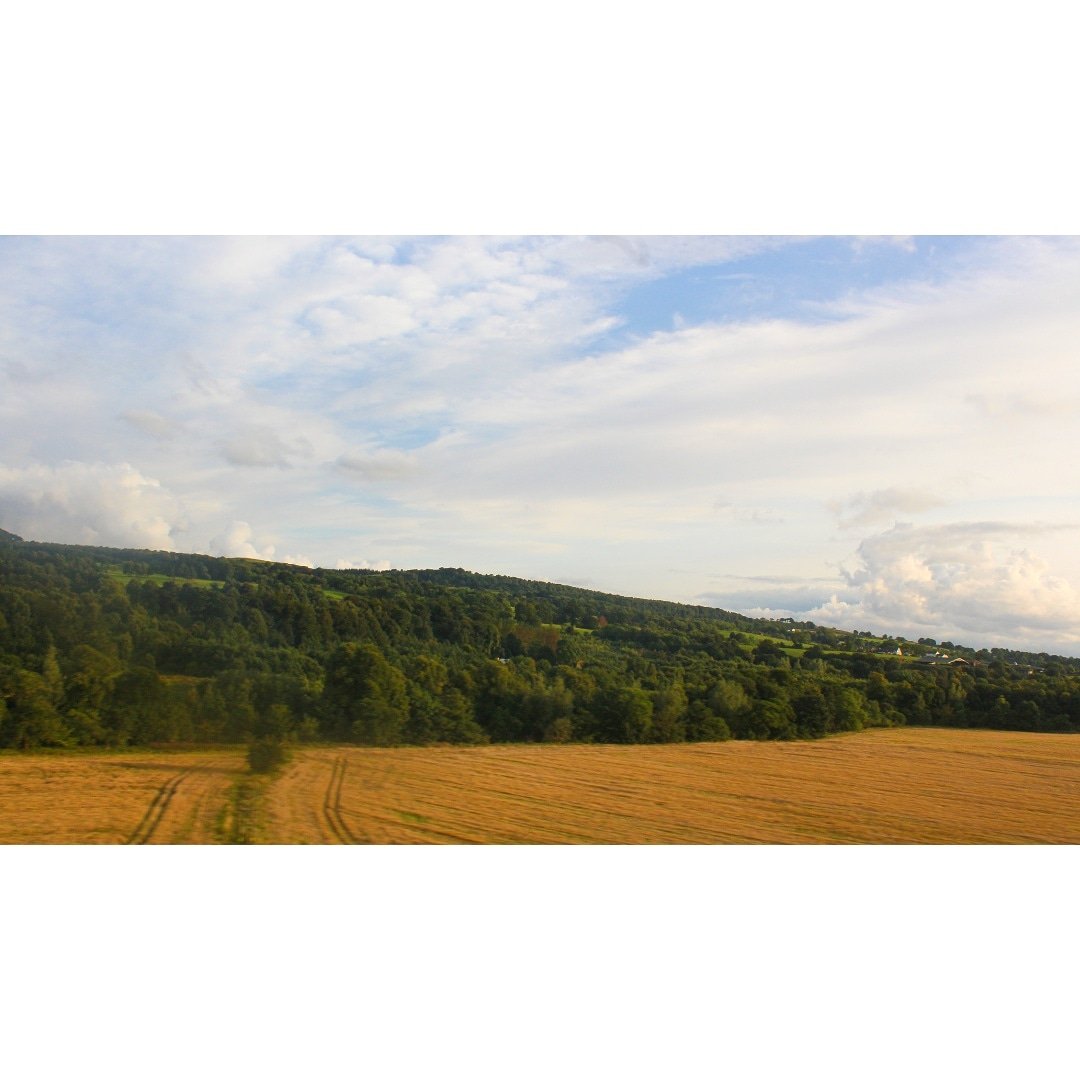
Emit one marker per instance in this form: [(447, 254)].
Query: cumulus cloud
[(978, 582), (239, 542), (971, 576), (90, 503)]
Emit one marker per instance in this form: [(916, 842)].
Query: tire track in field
[(332, 804), (156, 811)]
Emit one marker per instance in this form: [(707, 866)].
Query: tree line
[(109, 647)]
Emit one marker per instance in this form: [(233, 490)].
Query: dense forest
[(108, 647)]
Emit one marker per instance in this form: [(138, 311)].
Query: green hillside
[(102, 646)]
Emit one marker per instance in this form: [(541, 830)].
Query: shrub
[(265, 755)]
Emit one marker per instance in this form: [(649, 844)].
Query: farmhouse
[(939, 659)]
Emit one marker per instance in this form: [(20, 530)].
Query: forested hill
[(103, 646)]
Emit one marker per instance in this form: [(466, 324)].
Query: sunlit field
[(117, 798), (877, 787)]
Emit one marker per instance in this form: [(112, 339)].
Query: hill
[(114, 647)]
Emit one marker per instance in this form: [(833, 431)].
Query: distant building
[(942, 659)]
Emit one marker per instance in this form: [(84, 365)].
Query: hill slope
[(102, 646)]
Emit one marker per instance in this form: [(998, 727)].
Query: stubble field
[(117, 798), (878, 787)]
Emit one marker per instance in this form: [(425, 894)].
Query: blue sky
[(875, 433), (789, 281)]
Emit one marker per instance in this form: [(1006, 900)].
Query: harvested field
[(896, 786), (116, 798), (892, 786)]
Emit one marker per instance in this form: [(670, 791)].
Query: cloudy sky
[(870, 433)]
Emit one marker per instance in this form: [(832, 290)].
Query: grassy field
[(881, 787), (160, 579)]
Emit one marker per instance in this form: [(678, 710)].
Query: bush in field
[(265, 755)]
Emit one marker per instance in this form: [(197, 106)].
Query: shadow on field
[(169, 767)]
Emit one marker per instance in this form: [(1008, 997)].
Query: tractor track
[(156, 810), (332, 805)]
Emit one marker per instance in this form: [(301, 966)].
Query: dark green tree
[(365, 698)]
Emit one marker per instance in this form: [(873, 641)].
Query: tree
[(621, 714), (365, 698), (767, 719), (703, 725), (32, 719), (669, 707), (813, 716), (728, 700)]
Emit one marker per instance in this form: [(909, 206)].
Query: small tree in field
[(265, 755)]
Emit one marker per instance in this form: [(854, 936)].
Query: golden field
[(892, 786), (116, 798)]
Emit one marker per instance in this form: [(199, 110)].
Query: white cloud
[(345, 564), (453, 401), (968, 581), (90, 503), (296, 560), (969, 577), (360, 320), (239, 542)]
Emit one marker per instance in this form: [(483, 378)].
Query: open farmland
[(891, 786), (118, 798), (879, 787)]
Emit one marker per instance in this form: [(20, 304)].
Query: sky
[(872, 433)]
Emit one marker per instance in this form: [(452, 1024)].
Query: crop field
[(900, 785), (118, 798), (883, 786)]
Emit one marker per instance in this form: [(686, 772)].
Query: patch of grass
[(242, 818), (161, 579)]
